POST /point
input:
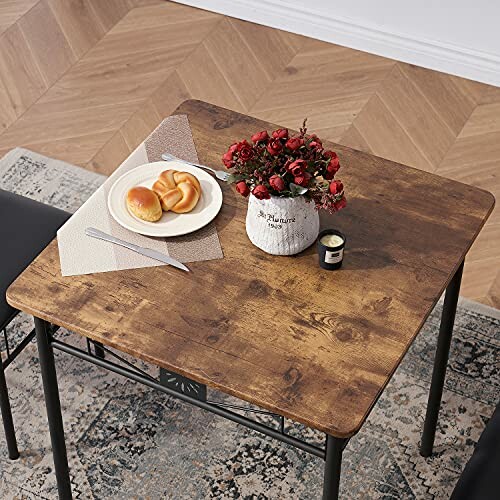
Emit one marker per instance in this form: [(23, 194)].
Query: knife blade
[(148, 252)]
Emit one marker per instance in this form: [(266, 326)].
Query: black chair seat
[(480, 479), (26, 228)]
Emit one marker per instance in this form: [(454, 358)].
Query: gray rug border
[(478, 307), (15, 153)]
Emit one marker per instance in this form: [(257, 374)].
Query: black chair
[(480, 480), (27, 227)]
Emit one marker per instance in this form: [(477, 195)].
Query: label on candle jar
[(334, 257)]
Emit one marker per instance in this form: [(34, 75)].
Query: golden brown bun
[(178, 191), (144, 203)]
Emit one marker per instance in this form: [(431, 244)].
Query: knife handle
[(170, 157), (95, 233)]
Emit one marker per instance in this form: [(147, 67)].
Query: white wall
[(455, 36)]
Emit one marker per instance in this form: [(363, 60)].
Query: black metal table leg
[(99, 350), (51, 392), (334, 448), (440, 362), (8, 423)]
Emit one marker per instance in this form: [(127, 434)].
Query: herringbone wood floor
[(85, 81)]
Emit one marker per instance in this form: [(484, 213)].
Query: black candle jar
[(331, 257)]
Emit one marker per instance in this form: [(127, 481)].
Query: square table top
[(313, 345)]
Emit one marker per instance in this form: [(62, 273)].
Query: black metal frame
[(441, 362), (8, 422), (331, 453), (6, 411), (134, 373)]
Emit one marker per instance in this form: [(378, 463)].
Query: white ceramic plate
[(170, 224)]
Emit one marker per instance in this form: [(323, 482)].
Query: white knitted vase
[(282, 226)]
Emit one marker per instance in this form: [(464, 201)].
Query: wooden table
[(314, 346)]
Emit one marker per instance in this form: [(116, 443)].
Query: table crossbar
[(220, 409)]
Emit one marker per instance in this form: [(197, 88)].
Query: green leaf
[(297, 190), (233, 178)]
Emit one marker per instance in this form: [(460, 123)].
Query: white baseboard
[(440, 56)]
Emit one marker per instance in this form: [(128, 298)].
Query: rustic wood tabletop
[(312, 345)]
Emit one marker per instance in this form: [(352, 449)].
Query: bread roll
[(144, 203), (178, 191)]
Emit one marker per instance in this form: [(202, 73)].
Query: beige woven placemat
[(81, 254)]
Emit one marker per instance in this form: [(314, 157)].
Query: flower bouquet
[(288, 178)]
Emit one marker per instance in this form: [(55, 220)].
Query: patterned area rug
[(126, 441)]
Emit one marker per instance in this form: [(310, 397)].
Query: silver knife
[(148, 252)]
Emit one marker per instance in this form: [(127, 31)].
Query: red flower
[(339, 205), (316, 142), (272, 161), (277, 183), (245, 151), (281, 133), (242, 144), (227, 159), (294, 143), (274, 146), (302, 179), (333, 166), (261, 192), (297, 167), (334, 163), (260, 136), (242, 188), (336, 187)]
